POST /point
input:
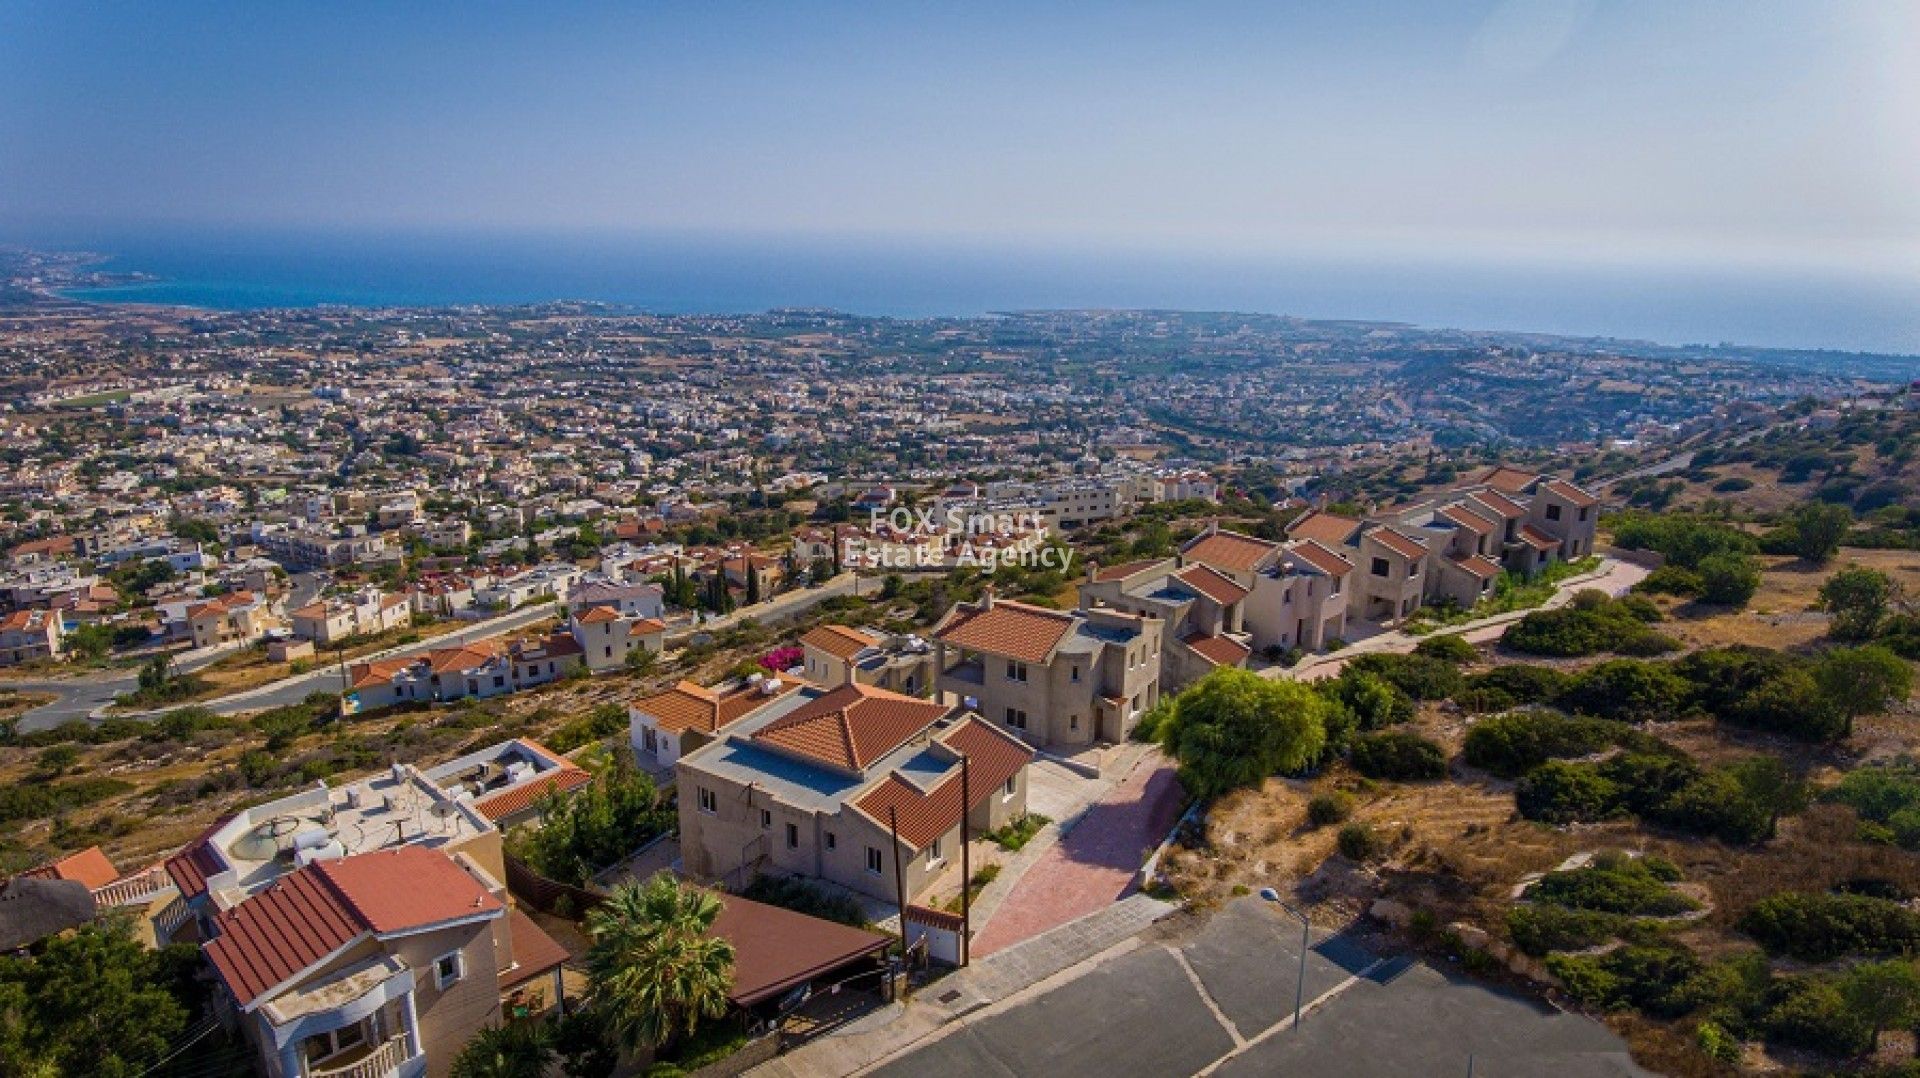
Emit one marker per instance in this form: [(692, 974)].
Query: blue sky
[(1608, 130)]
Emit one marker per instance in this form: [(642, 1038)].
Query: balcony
[(373, 1061)]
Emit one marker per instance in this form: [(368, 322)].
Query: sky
[(1632, 131)]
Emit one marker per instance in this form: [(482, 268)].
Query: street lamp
[(1300, 988)]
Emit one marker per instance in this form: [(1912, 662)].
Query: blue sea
[(730, 274)]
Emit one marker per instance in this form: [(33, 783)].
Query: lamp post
[(1300, 987)]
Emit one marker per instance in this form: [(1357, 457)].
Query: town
[(402, 670)]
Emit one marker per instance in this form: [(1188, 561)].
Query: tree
[(1728, 579), (1234, 728), (1815, 530), (1858, 599), (1768, 784), (93, 1001), (90, 641), (1885, 995), (512, 1051), (654, 967), (1863, 680)]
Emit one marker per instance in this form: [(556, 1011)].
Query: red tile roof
[(1538, 539), (597, 614), (519, 798), (196, 861), (1580, 498), (1329, 528), (839, 641), (688, 706), (1125, 569), (1479, 565), (534, 952), (1218, 650), (776, 950), (1502, 506), (1323, 558), (925, 815), (1229, 550), (1016, 630), (90, 866), (1398, 543), (1508, 480), (312, 912), (1468, 519), (647, 627), (852, 726), (1207, 580)]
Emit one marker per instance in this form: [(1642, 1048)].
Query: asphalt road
[(1220, 1002), (83, 696)]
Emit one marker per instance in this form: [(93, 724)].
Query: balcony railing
[(378, 1063)]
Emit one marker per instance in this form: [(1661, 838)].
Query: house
[(854, 785), (633, 600), (235, 616), (143, 895), (378, 963), (31, 636), (667, 725), (606, 637), (833, 655), (479, 670), (362, 613), (1060, 680), (1201, 609)]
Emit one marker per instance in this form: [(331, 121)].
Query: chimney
[(1213, 526), (986, 597), (1093, 570)]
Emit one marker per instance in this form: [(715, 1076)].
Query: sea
[(683, 273)]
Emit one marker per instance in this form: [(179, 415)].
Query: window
[(1553, 512), (1583, 512), (709, 804), (499, 681), (1336, 587), (766, 819), (793, 837), (933, 852), (1010, 785), (1074, 674), (447, 970), (1016, 671), (1073, 722), (873, 860), (1016, 718), (1380, 567), (832, 840), (609, 653)]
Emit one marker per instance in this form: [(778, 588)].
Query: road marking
[(1206, 997), (1241, 1047)]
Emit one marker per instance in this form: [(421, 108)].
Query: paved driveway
[(1094, 865), (1221, 1002)]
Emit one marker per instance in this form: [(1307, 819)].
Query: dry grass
[(1784, 613)]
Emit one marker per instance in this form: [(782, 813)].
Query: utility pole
[(899, 883), (1306, 941), (966, 862)]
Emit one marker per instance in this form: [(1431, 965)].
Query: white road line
[(1206, 997), (1240, 1046)]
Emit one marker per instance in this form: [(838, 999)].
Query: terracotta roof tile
[(1125, 569), (1329, 528), (839, 641), (1398, 543), (519, 798), (1016, 630), (688, 706), (1322, 557), (1538, 539), (90, 866), (925, 815), (1229, 550), (851, 726), (1479, 565), (1218, 650), (1207, 580), (1465, 517), (1578, 497), (196, 861), (597, 614), (1508, 480), (1502, 506), (646, 627)]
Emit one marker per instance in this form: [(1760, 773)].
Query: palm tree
[(655, 968), (514, 1051)]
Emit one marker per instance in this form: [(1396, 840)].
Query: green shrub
[(1613, 885), (1823, 927), (793, 893), (1812, 1013), (1539, 930), (1884, 795), (1358, 842), (1399, 756), (1576, 630), (1647, 977), (1560, 793), (1629, 690), (1524, 683), (1329, 807), (1421, 677), (1684, 541), (1448, 648), (1373, 701), (1511, 745), (1671, 580), (1728, 579)]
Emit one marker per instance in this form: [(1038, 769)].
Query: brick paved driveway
[(1094, 865)]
